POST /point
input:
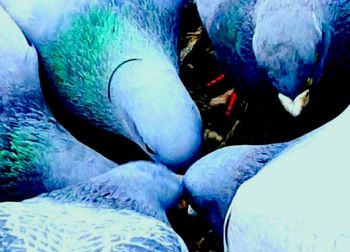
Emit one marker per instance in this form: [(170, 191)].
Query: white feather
[(44, 225)]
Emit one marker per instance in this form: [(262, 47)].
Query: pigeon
[(291, 49), (298, 201), (121, 210), (114, 65), (211, 182), (36, 153), (230, 166)]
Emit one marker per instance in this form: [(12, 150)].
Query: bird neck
[(82, 79), (38, 155), (25, 142), (281, 31)]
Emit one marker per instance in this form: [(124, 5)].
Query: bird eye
[(148, 149), (309, 81)]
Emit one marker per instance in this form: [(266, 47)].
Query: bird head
[(290, 43), (147, 182), (161, 117), (146, 102)]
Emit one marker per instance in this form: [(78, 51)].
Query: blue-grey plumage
[(229, 167), (114, 65), (36, 153), (213, 183), (298, 202), (285, 44), (121, 210)]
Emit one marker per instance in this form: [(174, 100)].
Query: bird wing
[(44, 225)]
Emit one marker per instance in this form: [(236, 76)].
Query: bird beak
[(191, 211), (179, 177), (295, 107)]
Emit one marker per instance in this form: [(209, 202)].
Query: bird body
[(298, 201), (113, 64), (36, 153), (75, 228), (277, 197), (121, 210), (229, 167), (282, 47)]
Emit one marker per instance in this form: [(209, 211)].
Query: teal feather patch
[(23, 156), (84, 55)]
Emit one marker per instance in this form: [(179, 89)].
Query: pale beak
[(191, 212), (179, 177), (295, 107)]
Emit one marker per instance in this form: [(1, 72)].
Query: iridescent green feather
[(82, 58), (23, 157), (90, 44)]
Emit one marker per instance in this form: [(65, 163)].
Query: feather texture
[(36, 153), (271, 47), (229, 167), (44, 225), (121, 210), (297, 202), (87, 49)]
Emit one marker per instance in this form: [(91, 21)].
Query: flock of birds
[(114, 65)]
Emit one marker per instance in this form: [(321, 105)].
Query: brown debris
[(221, 99), (193, 38)]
